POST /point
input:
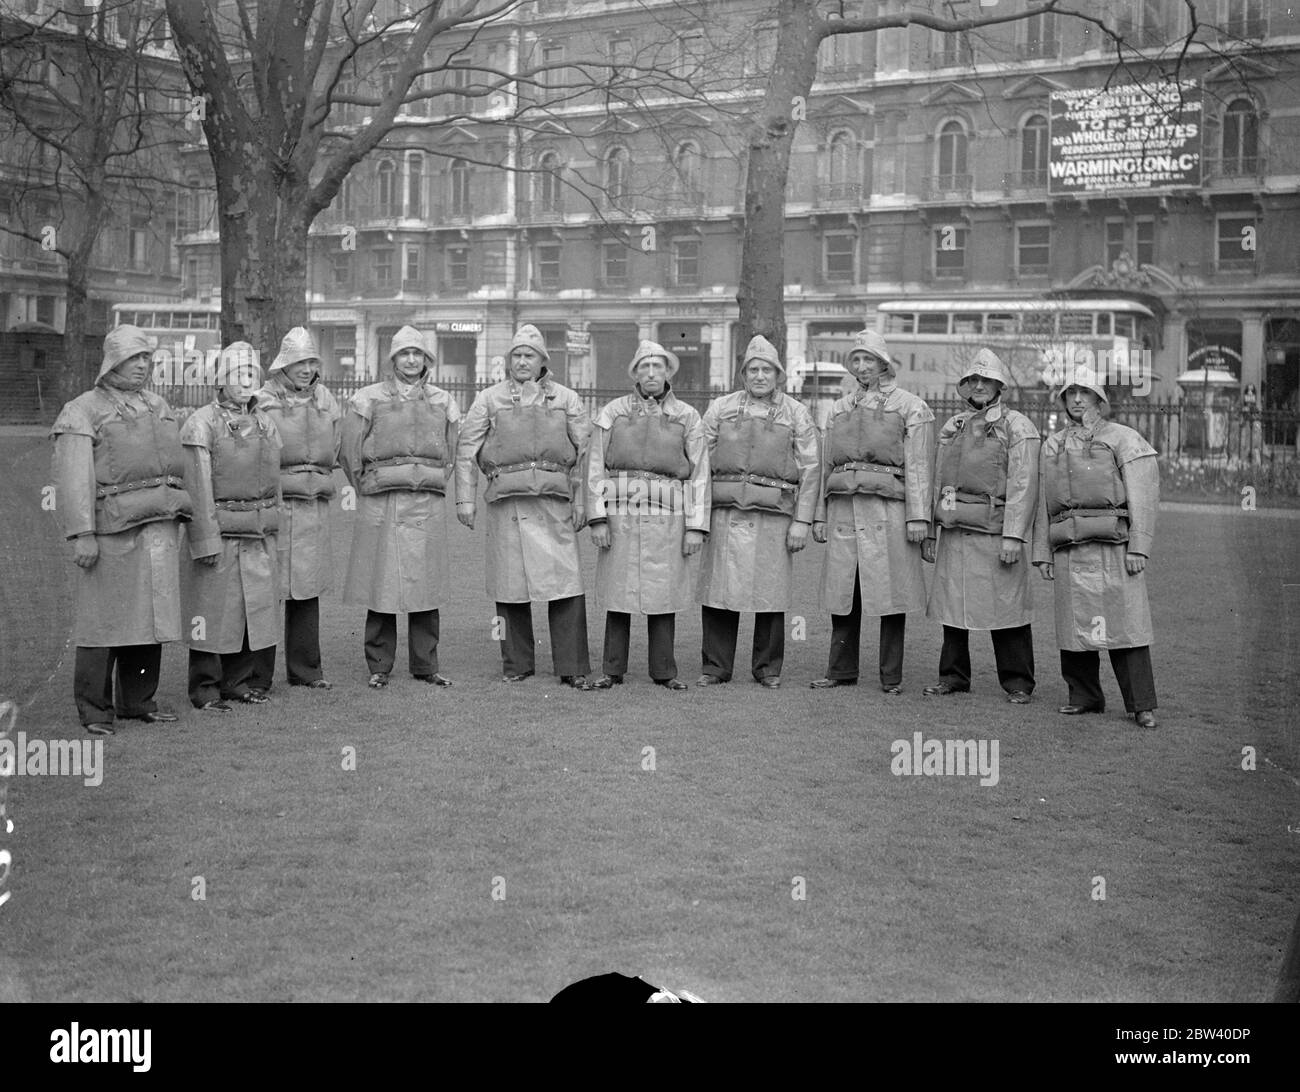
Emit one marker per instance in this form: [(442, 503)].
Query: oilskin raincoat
[(972, 589), (399, 559), (643, 571), (242, 588), (532, 546), (744, 565), (132, 594), (866, 534), (1099, 604), (307, 418)]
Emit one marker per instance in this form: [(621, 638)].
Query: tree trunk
[(77, 374), (761, 292)]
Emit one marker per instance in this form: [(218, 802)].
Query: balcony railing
[(542, 212), (1236, 166), (1024, 180), (936, 187), (682, 201), (1030, 51), (839, 193), (955, 57)]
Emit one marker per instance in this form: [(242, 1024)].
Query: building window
[(546, 184), (1237, 238), (1033, 249), (839, 251), (346, 112), (458, 266), (383, 267), (690, 49), (950, 251), (688, 174), (1240, 138), (613, 263), (347, 198), (461, 103), (412, 270), (952, 157), (415, 185), (1115, 241), (341, 269), (547, 258), (842, 168), (138, 243), (1145, 235), (387, 189), (616, 175), (1040, 38), (1033, 151), (551, 79), (952, 50), (686, 263), (620, 56), (840, 52), (1245, 18), (1145, 24), (460, 179)]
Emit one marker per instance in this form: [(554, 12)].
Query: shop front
[(457, 341), (690, 341)]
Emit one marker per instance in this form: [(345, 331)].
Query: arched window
[(460, 177), (952, 156), (689, 172), (1240, 138), (547, 183), (616, 162), (415, 185), (1033, 151), (387, 189), (841, 168)]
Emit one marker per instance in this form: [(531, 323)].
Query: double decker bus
[(186, 334), (934, 340)]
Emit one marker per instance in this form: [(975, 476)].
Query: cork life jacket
[(649, 445), (406, 448), (245, 477), (753, 464), (528, 453), (307, 457), (866, 452), (972, 478), (139, 472), (1085, 494)]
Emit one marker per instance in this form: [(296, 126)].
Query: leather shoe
[(606, 681), (317, 684), (671, 684), (518, 677), (434, 680), (156, 717), (378, 680), (252, 697), (1078, 710), (709, 680), (826, 684), (895, 689), (945, 688), (215, 706), (770, 682), (1146, 718), (1018, 697), (578, 682), (101, 729)]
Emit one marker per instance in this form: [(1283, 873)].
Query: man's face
[(525, 364), (760, 378), (409, 363), (300, 374), (865, 366), (651, 374), (1078, 401), (135, 369), (981, 390)]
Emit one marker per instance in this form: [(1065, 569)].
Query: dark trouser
[(230, 674), (137, 667), (845, 631), (1132, 666), (661, 629), (719, 649), (568, 624), (421, 642), (302, 641), (1013, 650)]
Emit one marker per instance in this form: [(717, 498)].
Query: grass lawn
[(377, 883)]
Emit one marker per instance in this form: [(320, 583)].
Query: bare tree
[(80, 115)]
